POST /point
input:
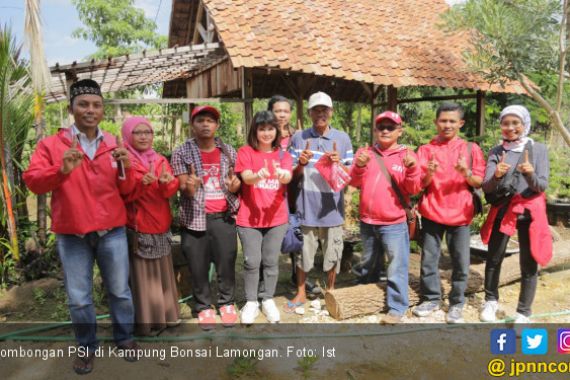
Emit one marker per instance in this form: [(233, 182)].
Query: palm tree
[(16, 117)]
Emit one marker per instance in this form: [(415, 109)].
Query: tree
[(515, 40), (116, 27)]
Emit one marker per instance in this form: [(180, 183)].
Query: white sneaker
[(249, 312), (270, 310), (489, 312), (519, 318)]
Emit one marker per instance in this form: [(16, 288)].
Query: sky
[(59, 19)]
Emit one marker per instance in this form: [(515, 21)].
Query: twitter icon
[(534, 341)]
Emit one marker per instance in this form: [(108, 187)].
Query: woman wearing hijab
[(515, 180), (151, 272)]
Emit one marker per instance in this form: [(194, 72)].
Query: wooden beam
[(247, 93), (199, 15), (438, 98), (373, 90), (177, 100), (480, 121)]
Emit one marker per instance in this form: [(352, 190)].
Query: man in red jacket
[(86, 172), (387, 171), (448, 174)]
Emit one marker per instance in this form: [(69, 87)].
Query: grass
[(244, 368), (306, 364)]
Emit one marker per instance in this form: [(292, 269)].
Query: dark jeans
[(218, 244), (529, 267), (457, 238)]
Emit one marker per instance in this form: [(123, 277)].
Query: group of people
[(110, 204)]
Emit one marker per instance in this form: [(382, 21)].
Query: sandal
[(290, 306), (82, 365)]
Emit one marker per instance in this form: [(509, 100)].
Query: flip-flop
[(291, 306)]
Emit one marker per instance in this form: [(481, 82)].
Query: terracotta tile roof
[(380, 42)]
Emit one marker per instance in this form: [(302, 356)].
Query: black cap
[(84, 86)]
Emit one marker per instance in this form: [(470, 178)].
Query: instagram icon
[(564, 341)]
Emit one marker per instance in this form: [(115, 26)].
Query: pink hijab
[(146, 157)]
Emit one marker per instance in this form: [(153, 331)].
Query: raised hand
[(364, 157), (526, 167), (461, 165), (432, 165), (306, 154), (281, 174), (409, 160), (149, 177), (72, 157), (334, 156), (193, 181), (232, 181), (264, 171), (165, 177), (502, 167), (120, 154)]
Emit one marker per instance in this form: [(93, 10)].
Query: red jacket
[(87, 199), (379, 203), (539, 232), (148, 209), (448, 199)]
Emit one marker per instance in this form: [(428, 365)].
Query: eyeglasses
[(389, 128), (143, 133)]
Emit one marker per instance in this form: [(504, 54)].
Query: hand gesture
[(306, 154), (264, 171), (333, 156), (363, 158), (461, 165), (281, 174), (232, 181), (502, 167), (149, 177), (72, 157), (165, 177), (193, 181), (526, 167), (432, 165), (409, 160), (120, 154)]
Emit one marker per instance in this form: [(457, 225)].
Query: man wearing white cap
[(320, 209)]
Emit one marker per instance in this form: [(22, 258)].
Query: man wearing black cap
[(87, 171), (208, 204)]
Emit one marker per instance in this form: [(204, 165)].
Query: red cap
[(390, 116), (204, 109)]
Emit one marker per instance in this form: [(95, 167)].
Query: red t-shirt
[(265, 203), (215, 199)]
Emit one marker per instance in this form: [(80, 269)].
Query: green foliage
[(229, 122), (306, 364), (111, 127), (116, 27), (244, 368), (559, 181), (7, 264), (509, 37)]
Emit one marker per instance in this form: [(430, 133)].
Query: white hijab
[(523, 114)]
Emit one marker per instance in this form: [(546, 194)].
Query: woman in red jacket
[(148, 212)]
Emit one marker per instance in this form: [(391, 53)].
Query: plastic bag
[(332, 173)]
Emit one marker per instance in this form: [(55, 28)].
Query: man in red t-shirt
[(204, 166), (448, 174)]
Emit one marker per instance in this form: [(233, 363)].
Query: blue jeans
[(394, 243), (458, 239), (77, 257)]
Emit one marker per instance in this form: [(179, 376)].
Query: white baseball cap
[(320, 99)]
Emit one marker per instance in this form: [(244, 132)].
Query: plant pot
[(558, 211)]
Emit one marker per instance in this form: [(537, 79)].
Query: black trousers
[(529, 267), (218, 244)]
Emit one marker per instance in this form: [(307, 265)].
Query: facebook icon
[(503, 341)]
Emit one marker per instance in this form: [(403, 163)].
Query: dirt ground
[(422, 348)]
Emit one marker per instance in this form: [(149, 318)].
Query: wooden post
[(300, 112), (392, 98), (480, 121), (373, 90), (247, 96)]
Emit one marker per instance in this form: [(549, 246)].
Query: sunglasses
[(389, 128)]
